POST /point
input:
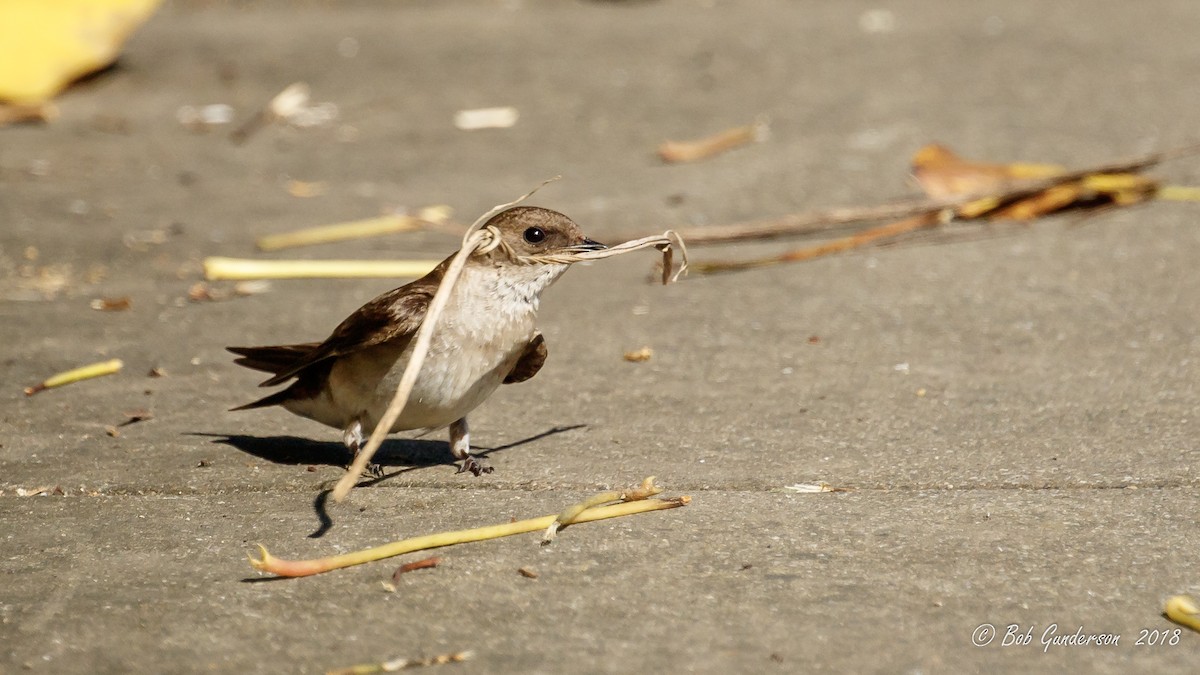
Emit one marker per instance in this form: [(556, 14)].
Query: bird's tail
[(274, 360)]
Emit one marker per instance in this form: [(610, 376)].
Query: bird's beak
[(589, 245)]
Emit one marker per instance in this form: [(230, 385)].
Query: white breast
[(480, 337)]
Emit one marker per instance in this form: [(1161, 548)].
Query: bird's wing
[(395, 315), (530, 362)]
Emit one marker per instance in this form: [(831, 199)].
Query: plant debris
[(77, 375), (135, 416), (357, 229), (959, 190), (674, 152), (645, 491), (1183, 610), (423, 564), (112, 304), (813, 487), (305, 189), (45, 46), (639, 355), (300, 568), (527, 572), (41, 491), (292, 105), (401, 664), (218, 268), (486, 118)]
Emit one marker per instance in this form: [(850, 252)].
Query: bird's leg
[(352, 438), (460, 445)]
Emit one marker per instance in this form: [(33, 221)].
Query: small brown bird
[(486, 336)]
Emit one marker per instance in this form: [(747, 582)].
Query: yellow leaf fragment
[(47, 44), (941, 173), (1183, 610)]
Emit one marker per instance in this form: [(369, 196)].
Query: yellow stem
[(301, 568), (75, 375), (356, 229), (216, 268)]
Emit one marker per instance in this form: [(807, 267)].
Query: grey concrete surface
[(1048, 475)]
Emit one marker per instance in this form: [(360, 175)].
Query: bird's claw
[(475, 466)]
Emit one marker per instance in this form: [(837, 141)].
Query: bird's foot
[(371, 470), (475, 465)]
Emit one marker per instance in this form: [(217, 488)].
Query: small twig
[(691, 151), (813, 222), (218, 268), (401, 664), (569, 515), (666, 242), (303, 568), (871, 236), (423, 564), (285, 103), (77, 374), (357, 229)]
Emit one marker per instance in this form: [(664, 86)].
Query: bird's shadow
[(411, 454)]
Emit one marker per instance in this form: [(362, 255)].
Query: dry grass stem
[(286, 103), (959, 190), (76, 375), (358, 229), (476, 239), (302, 568), (423, 564), (870, 236), (218, 268), (1183, 610), (570, 514), (639, 355), (691, 151), (401, 664)]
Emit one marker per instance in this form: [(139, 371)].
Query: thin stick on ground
[(648, 489), (302, 568), (218, 268), (77, 375), (355, 229), (401, 664), (820, 221), (873, 235)]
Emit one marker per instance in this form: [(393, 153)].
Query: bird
[(486, 336)]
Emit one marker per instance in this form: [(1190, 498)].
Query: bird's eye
[(534, 235)]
